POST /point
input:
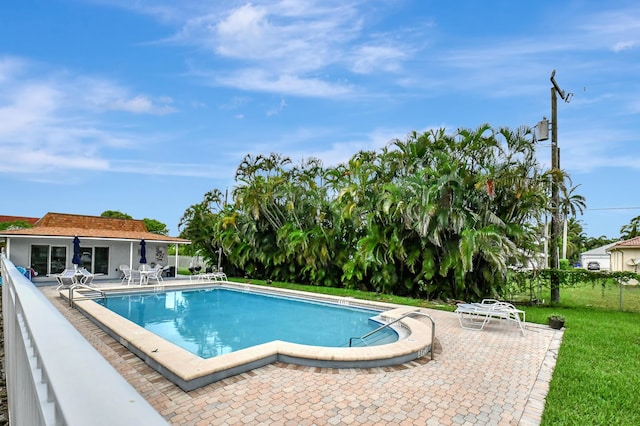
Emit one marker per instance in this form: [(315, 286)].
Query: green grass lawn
[(596, 380)]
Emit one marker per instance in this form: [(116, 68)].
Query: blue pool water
[(216, 321)]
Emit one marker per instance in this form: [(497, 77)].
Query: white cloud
[(506, 67), (170, 169), (9, 66), (53, 122), (105, 95), (26, 105), (277, 110), (262, 81), (338, 152), (624, 45), (235, 103), (141, 105), (281, 36), (597, 145), (244, 26), (294, 47), (368, 59), (618, 29)]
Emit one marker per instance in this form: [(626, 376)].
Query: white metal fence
[(54, 376), (186, 261)]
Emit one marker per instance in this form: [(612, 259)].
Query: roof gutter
[(58, 237)]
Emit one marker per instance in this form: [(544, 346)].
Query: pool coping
[(189, 372)]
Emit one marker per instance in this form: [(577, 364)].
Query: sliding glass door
[(47, 259), (95, 259)]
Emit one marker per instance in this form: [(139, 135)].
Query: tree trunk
[(564, 239)]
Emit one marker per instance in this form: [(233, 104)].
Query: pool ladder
[(389, 324), (88, 293)]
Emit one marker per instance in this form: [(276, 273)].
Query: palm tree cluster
[(630, 230), (437, 215)]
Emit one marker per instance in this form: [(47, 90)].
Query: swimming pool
[(190, 371), (212, 322)]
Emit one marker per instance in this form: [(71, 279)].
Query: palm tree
[(630, 230), (463, 204), (570, 204), (576, 240)]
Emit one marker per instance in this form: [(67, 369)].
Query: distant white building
[(600, 255), (625, 255)]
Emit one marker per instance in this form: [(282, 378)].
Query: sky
[(143, 106)]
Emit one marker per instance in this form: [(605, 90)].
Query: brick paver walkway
[(489, 377)]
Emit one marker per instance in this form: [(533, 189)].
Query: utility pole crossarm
[(568, 96)]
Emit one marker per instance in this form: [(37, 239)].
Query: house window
[(95, 259), (58, 259), (48, 259), (86, 258)]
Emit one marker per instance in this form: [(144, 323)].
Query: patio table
[(144, 276)]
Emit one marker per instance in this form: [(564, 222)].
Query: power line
[(615, 208)]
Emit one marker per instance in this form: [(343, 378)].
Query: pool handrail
[(89, 292), (407, 315)]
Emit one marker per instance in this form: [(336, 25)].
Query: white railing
[(54, 376)]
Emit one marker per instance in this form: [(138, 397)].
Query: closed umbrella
[(143, 252), (76, 251)]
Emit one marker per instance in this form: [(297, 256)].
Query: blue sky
[(143, 106)]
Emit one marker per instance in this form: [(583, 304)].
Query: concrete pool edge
[(190, 372)]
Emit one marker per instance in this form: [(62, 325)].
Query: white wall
[(621, 258)]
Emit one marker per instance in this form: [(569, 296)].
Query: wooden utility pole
[(555, 187), (555, 197)]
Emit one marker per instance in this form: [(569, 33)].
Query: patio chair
[(66, 278), (126, 273), (165, 270), (135, 276), (474, 316), (156, 274), (85, 277)]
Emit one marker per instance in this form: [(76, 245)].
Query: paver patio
[(490, 377)]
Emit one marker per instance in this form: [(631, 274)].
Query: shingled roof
[(30, 220), (633, 242), (70, 225)]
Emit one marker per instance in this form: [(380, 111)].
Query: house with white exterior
[(625, 255), (598, 254), (105, 244)]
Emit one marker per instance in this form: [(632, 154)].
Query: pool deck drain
[(492, 377)]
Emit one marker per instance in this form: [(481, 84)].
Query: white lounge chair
[(474, 316), (213, 275), (85, 277), (66, 278), (221, 275)]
